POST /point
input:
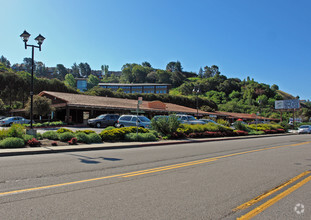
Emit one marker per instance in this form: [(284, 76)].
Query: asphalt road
[(186, 181)]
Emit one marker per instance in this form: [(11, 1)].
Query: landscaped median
[(16, 137)]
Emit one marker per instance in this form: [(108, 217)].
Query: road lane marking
[(275, 199), (146, 171), (270, 192), (168, 168)]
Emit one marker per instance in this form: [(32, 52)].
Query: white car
[(11, 120), (304, 129)]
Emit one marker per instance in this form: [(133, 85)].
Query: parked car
[(209, 121), (189, 119), (131, 120), (11, 120), (304, 129), (103, 121), (2, 117)]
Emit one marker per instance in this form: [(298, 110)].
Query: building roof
[(77, 100)]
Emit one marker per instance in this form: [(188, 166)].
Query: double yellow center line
[(275, 199), (147, 171)]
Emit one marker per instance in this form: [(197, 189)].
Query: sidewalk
[(119, 145)]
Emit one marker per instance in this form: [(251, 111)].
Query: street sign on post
[(140, 100)]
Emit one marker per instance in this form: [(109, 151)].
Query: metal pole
[(137, 120), (31, 89), (197, 106)]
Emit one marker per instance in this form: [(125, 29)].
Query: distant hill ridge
[(285, 95)]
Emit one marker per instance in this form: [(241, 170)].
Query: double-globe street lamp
[(25, 36)]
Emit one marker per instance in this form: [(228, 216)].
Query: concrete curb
[(120, 145)]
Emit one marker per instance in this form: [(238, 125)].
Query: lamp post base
[(32, 132)]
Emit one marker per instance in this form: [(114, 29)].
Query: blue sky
[(266, 40)]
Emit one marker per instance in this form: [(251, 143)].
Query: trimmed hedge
[(51, 135), (140, 137), (12, 142), (95, 138), (187, 129), (66, 136), (118, 134), (85, 131), (63, 130), (83, 138)]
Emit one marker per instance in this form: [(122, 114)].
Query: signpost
[(140, 101)]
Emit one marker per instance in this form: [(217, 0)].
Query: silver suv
[(131, 120), (189, 119)]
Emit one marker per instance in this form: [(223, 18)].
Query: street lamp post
[(25, 36), (196, 90)]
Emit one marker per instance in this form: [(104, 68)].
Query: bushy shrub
[(12, 142), (39, 136), (140, 137), (66, 136), (265, 127), (3, 134), (223, 122), (51, 135), (27, 137), (187, 129), (56, 123), (239, 125), (165, 125), (83, 138), (16, 130), (34, 142), (85, 131), (63, 130), (256, 132), (154, 132), (95, 138), (241, 132), (109, 128), (118, 134), (36, 125)]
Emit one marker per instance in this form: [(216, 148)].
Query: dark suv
[(103, 121)]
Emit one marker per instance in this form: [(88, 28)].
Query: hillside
[(285, 95)]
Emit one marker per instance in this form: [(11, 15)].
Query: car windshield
[(143, 119), (191, 118), (100, 117)]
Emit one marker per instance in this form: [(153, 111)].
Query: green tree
[(75, 70), (5, 61), (275, 87), (146, 64), (200, 74), (92, 81), (140, 73), (174, 66), (60, 71), (85, 69), (70, 80), (28, 64), (105, 69), (41, 105), (2, 107)]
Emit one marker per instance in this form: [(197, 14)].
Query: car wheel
[(115, 125), (121, 126), (98, 125), (10, 124)]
